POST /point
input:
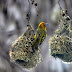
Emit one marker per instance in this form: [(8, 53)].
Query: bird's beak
[(46, 24)]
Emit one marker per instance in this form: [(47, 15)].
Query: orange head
[(42, 25)]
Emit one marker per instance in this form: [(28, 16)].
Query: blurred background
[(14, 17)]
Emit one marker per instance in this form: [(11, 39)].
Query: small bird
[(40, 35)]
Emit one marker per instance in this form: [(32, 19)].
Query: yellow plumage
[(40, 35)]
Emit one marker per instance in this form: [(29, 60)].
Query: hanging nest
[(61, 42), (22, 53)]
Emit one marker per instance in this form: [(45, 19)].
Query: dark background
[(14, 17)]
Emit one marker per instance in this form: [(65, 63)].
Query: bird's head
[(43, 25)]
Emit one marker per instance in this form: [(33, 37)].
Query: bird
[(40, 34)]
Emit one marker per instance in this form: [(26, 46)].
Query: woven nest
[(22, 52), (61, 42)]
